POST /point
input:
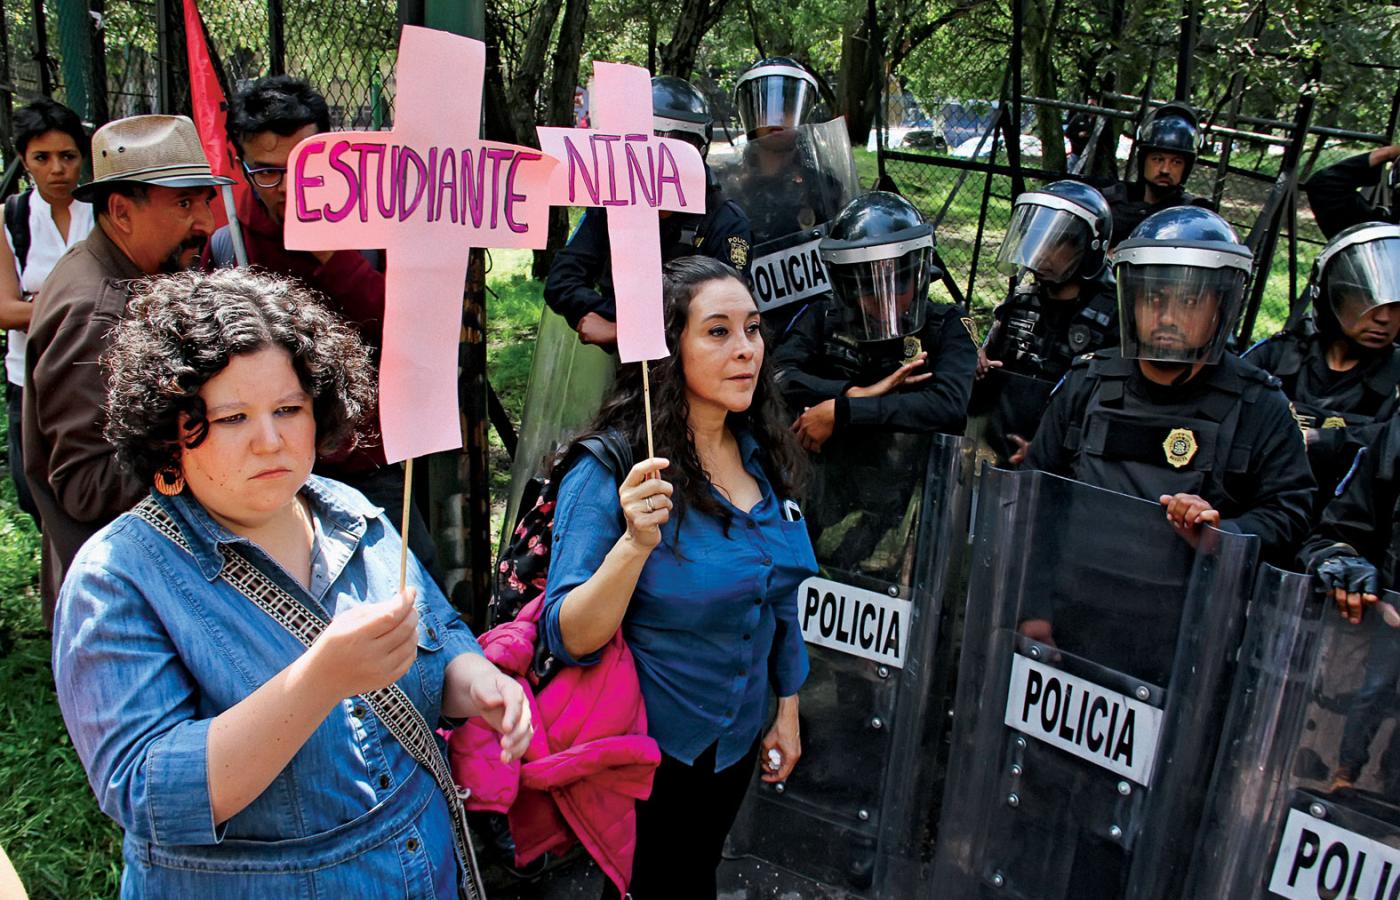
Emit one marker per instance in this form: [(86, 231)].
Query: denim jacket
[(150, 645)]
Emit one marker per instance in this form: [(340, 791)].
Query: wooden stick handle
[(403, 522), (646, 399)]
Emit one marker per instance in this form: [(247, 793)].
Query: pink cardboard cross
[(622, 167), (426, 192)]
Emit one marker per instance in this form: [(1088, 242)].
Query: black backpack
[(523, 567), (17, 224)]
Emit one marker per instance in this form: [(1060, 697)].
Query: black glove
[(1350, 573)]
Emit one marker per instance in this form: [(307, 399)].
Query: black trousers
[(14, 396), (681, 828)]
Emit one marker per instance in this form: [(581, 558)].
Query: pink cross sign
[(622, 167), (426, 192)]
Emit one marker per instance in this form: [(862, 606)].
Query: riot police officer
[(1340, 365), (882, 354), (792, 177), (1334, 193), (1173, 417), (1168, 142), (1354, 552), (579, 286), (1061, 306), (869, 370)]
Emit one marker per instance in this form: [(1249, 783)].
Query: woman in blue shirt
[(700, 569), (239, 760)]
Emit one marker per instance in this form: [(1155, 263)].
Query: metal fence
[(963, 161), (135, 49)]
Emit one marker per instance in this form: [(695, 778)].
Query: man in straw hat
[(150, 193)]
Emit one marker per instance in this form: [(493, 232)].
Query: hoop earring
[(169, 480)]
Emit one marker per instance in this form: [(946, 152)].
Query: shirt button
[(758, 601), (432, 634), (748, 637), (752, 524), (412, 845), (358, 711), (383, 781), (767, 560)]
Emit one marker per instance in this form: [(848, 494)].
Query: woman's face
[(721, 348), (261, 442), (54, 162)]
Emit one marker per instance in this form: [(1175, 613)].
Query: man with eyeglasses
[(1173, 417), (266, 120)]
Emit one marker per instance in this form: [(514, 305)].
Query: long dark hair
[(782, 459)]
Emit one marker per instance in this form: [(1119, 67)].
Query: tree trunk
[(861, 66), (696, 19), (1040, 29), (559, 110), (523, 92)]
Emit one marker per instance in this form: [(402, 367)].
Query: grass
[(61, 845)]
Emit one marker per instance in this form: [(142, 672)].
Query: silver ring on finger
[(649, 506)]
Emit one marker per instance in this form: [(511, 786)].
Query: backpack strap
[(17, 223), (390, 704)]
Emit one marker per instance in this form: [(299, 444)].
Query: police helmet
[(1170, 128), (1058, 232), (678, 110), (1181, 283), (1358, 273), (775, 93), (879, 252)]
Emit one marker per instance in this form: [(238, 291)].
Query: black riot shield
[(888, 516), (790, 183), (1305, 802), (1095, 667)]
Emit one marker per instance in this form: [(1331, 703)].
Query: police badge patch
[(1180, 446), (971, 328), (912, 347), (738, 252), (1334, 422)]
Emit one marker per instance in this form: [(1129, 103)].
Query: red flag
[(210, 107)]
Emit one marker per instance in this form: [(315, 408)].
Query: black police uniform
[(1334, 193), (819, 362), (580, 278), (1128, 200), (1226, 435), (1348, 408), (1036, 338), (798, 198)]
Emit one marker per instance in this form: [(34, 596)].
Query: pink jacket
[(588, 763)]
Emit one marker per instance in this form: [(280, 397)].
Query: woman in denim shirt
[(700, 570), (239, 762)]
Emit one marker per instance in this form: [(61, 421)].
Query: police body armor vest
[(1379, 385), (844, 357), (1028, 345), (1134, 448)]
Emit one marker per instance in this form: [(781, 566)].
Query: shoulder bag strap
[(390, 704)]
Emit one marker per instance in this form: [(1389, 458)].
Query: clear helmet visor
[(884, 298), (774, 101), (1177, 313), (1363, 285), (1048, 242)]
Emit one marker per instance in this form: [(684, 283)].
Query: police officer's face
[(1173, 319), (1375, 328), (721, 348), (1164, 169)]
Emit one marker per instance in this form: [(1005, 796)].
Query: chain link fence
[(1082, 88), (136, 50)]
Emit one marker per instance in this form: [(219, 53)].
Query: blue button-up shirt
[(710, 626), (150, 645)]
